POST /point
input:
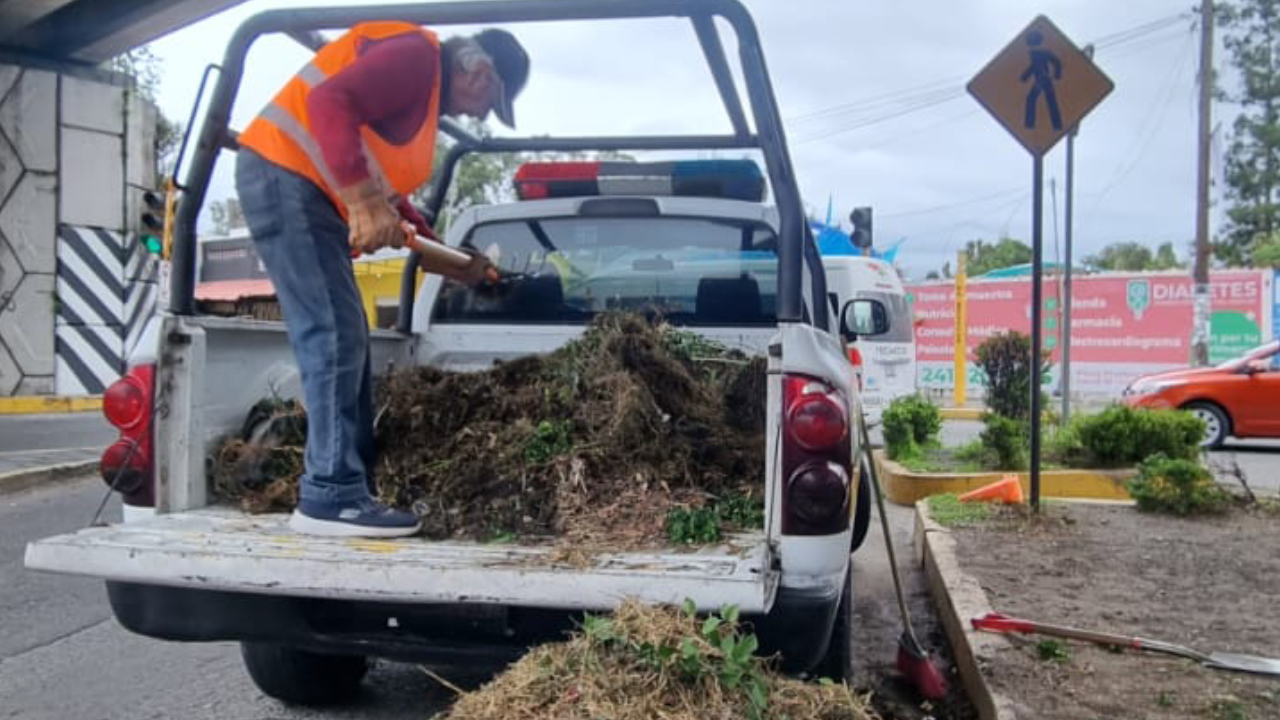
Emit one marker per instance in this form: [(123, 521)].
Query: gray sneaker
[(366, 518)]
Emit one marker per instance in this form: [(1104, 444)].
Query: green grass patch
[(709, 523), (1052, 650), (948, 511)]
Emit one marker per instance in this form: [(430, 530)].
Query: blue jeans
[(303, 245)]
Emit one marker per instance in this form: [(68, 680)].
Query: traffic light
[(151, 233), (156, 230), (861, 219)]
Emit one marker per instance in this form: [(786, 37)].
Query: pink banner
[(1122, 325)]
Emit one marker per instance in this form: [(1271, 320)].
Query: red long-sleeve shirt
[(388, 88)]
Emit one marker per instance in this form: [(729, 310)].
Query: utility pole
[(1066, 284), (1201, 317)]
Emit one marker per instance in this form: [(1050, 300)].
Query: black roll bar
[(301, 23)]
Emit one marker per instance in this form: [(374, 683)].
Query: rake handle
[(995, 622)]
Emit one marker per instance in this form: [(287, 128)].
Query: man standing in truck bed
[(326, 168)]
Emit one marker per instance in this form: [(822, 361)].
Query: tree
[(982, 257), (226, 215), (1252, 175), (145, 69), (933, 275), (1167, 259), (1133, 257), (1266, 252)]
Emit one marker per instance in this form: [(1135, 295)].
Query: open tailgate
[(221, 549)]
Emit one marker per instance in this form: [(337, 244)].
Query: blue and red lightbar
[(731, 179)]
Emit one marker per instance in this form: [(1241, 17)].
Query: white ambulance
[(885, 363)]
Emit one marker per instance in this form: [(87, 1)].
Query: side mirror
[(864, 317)]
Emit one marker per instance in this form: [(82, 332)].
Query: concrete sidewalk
[(40, 447), (26, 460)]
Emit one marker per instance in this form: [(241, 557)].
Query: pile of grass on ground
[(603, 437), (643, 663)]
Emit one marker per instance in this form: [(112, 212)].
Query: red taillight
[(815, 417), (126, 467), (815, 457), (127, 464), (855, 359), (124, 403), (818, 495)]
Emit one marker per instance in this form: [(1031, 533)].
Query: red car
[(1240, 397)]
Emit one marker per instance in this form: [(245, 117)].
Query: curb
[(959, 597), (961, 413), (16, 480), (905, 487), (47, 404)]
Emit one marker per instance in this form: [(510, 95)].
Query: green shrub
[(1006, 439), (1062, 444), (1005, 358), (1121, 435), (1178, 486), (909, 423)]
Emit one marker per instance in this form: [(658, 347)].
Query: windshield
[(692, 271), (1261, 351)]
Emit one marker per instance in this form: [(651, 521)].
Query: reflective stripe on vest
[(280, 132)]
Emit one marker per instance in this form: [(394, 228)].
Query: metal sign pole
[(1037, 269), (1066, 284)]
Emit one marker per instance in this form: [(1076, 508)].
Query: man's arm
[(388, 78)]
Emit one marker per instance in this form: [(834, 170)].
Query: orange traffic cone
[(1007, 490)]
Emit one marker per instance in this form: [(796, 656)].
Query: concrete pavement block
[(92, 188), (140, 133), (29, 119), (36, 384), (10, 375), (10, 269), (92, 104), (28, 221), (26, 325), (10, 168)]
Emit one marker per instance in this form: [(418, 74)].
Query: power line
[(949, 206), (938, 92), (1154, 119)]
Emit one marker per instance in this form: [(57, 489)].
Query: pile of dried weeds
[(646, 662), (600, 439)]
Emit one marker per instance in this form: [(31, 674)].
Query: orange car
[(1240, 397)]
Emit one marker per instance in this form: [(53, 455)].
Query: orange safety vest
[(281, 133)]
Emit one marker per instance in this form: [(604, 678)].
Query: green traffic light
[(152, 244)]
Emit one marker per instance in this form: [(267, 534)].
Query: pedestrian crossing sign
[(1040, 86)]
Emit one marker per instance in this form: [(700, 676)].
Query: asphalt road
[(25, 433), (63, 657)]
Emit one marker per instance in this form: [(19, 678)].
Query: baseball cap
[(512, 65)]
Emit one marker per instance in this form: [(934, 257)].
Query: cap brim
[(504, 111)]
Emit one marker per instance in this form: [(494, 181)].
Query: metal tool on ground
[(995, 622), (913, 660)]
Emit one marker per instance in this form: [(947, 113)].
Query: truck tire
[(837, 663), (298, 677), (862, 510)]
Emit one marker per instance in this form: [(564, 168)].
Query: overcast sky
[(872, 95)]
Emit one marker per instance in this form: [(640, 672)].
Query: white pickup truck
[(693, 238)]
